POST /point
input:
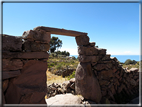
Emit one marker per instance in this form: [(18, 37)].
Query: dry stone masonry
[(24, 66), (99, 78)]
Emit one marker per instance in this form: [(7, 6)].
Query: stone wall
[(24, 65), (100, 77)]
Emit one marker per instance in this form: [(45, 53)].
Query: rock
[(11, 43), (72, 86), (92, 44), (83, 58), (82, 40), (105, 74), (133, 82), (30, 87), (114, 58), (102, 51), (64, 99), (5, 85), (72, 80), (41, 35), (25, 55), (10, 74), (100, 67), (103, 82), (11, 64), (87, 50), (35, 47), (66, 84), (86, 84), (106, 57), (134, 70)]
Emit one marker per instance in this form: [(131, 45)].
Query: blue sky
[(113, 26)]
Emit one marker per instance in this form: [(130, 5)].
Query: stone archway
[(24, 68)]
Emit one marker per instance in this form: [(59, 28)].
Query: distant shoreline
[(122, 58)]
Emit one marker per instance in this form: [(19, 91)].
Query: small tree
[(128, 61), (55, 43)]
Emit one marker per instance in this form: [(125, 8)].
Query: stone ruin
[(24, 63)]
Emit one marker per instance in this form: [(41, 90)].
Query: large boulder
[(86, 84), (64, 100), (11, 43), (29, 87)]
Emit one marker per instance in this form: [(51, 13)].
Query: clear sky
[(113, 26)]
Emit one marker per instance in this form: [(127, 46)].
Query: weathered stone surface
[(106, 57), (42, 36), (11, 64), (100, 67), (34, 46), (105, 74), (83, 58), (30, 87), (92, 44), (87, 50), (134, 70), (64, 100), (72, 80), (10, 74), (103, 82), (102, 51), (60, 31), (82, 40), (86, 83), (25, 55), (133, 82), (11, 43), (5, 84)]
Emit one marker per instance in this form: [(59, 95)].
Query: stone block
[(30, 87), (102, 51), (11, 43), (100, 66), (41, 35), (5, 84), (10, 74), (25, 55), (92, 44), (82, 40), (83, 58), (35, 47), (105, 74), (11, 64), (106, 57), (87, 51), (86, 84)]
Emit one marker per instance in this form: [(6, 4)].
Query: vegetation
[(60, 63), (55, 43)]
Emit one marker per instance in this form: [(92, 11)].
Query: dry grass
[(51, 78)]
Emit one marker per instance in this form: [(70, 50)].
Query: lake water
[(122, 58)]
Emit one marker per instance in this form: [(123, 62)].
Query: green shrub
[(128, 61), (71, 76)]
